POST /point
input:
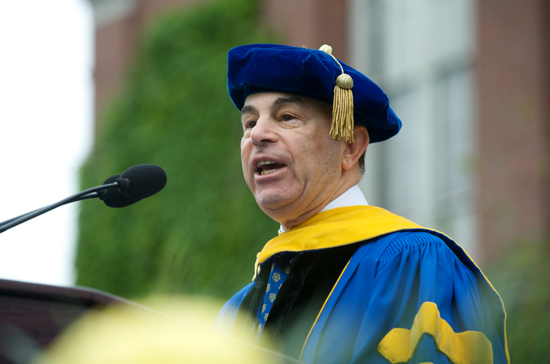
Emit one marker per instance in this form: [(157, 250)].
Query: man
[(343, 281)]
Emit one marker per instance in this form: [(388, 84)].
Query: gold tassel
[(342, 104), (342, 109)]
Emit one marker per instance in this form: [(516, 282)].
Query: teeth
[(263, 170), (263, 163), (263, 173)]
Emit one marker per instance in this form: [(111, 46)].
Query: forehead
[(273, 100)]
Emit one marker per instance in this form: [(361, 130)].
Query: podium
[(33, 315)]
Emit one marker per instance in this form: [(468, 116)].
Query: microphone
[(142, 181), (134, 184), (112, 197)]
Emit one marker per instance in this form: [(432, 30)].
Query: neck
[(290, 223)]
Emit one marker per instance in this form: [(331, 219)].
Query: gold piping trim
[(321, 311), (501, 302)]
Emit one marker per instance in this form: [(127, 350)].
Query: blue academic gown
[(410, 296)]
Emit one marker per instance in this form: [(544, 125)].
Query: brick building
[(468, 78)]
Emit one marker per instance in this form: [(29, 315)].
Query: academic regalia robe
[(405, 295)]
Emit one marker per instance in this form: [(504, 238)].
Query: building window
[(420, 53)]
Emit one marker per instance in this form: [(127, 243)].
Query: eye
[(287, 117), (249, 124)]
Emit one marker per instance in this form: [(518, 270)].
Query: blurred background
[(46, 131), (469, 79)]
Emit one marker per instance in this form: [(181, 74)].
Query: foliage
[(201, 233), (521, 278)]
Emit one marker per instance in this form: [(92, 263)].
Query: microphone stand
[(84, 195)]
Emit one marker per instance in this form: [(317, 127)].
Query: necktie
[(279, 271)]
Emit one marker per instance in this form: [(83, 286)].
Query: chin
[(268, 204), (270, 201), (278, 209)]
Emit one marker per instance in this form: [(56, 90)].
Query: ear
[(355, 150)]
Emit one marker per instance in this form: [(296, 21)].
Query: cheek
[(245, 153), (329, 155), (246, 172)]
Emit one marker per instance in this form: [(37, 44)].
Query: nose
[(263, 132)]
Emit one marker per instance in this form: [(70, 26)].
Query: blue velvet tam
[(308, 72)]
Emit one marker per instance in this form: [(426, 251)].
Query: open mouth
[(266, 167)]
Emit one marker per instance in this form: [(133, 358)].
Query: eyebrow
[(248, 108), (277, 103), (288, 100)]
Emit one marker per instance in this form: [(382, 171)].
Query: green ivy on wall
[(521, 278), (201, 233)]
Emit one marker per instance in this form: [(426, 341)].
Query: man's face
[(290, 162)]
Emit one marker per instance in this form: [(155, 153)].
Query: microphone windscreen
[(112, 197), (144, 180)]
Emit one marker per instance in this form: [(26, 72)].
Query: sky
[(46, 131)]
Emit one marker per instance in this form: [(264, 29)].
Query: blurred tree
[(200, 234), (521, 278)]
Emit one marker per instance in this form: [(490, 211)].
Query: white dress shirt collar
[(352, 197)]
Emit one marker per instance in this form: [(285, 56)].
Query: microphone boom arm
[(84, 195)]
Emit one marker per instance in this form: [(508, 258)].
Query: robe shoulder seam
[(410, 240)]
